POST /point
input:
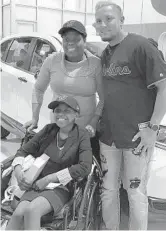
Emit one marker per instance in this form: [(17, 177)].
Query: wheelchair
[(82, 212)]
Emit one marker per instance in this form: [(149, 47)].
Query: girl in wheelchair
[(70, 157)]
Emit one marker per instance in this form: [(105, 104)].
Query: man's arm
[(100, 103), (147, 135), (154, 68)]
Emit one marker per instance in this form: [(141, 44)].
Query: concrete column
[(13, 25)]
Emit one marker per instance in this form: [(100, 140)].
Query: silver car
[(21, 59)]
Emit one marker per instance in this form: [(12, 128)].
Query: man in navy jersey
[(134, 78)]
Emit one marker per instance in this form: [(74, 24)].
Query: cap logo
[(77, 108), (62, 98), (70, 23)]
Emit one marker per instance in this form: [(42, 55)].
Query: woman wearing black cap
[(70, 157), (74, 72)]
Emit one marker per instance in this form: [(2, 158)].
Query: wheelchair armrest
[(80, 179), (100, 172), (7, 162)]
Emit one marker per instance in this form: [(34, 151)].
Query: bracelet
[(143, 125)]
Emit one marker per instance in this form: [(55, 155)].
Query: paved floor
[(155, 222)]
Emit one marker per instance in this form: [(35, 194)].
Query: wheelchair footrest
[(54, 225), (72, 225), (6, 207)]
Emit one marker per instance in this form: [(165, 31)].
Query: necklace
[(57, 143), (84, 73)]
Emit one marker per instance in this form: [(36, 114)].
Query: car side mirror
[(36, 74)]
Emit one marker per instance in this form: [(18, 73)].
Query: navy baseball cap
[(74, 25), (68, 100)]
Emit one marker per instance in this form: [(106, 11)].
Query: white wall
[(135, 11), (49, 15), (6, 22), (48, 21), (0, 18), (141, 11)]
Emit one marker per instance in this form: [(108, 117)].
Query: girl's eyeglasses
[(66, 111)]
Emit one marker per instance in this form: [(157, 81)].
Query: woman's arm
[(30, 148), (39, 89), (80, 170), (100, 97), (149, 61)]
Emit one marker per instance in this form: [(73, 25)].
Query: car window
[(18, 53), (41, 52), (57, 39), (162, 135), (4, 47)]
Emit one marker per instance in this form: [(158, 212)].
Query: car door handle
[(22, 79)]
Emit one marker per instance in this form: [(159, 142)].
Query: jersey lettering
[(114, 70)]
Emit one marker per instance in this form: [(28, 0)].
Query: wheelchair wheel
[(89, 213), (4, 223), (93, 215)]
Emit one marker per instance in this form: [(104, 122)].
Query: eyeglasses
[(72, 40), (66, 111)]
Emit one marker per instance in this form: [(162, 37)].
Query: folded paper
[(33, 172)]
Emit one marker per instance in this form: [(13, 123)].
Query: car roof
[(55, 39), (33, 34), (91, 38)]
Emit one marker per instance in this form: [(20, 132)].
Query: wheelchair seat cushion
[(57, 197)]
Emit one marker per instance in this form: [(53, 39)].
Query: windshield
[(162, 135), (57, 39)]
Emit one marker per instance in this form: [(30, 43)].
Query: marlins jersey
[(130, 71)]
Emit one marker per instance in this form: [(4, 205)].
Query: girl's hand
[(41, 184), (22, 180), (91, 130)]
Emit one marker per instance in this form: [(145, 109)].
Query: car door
[(14, 63), (41, 50), (7, 96), (156, 187)]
